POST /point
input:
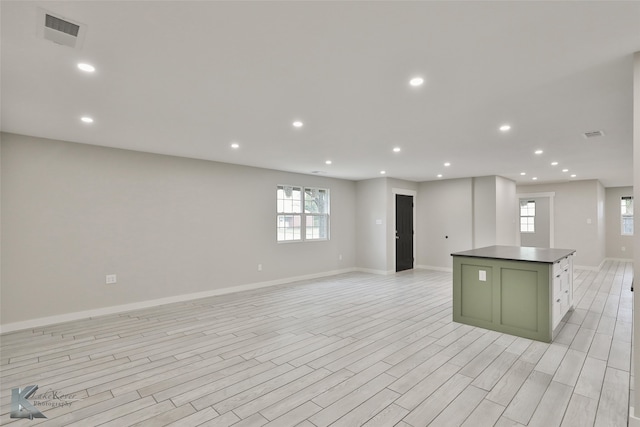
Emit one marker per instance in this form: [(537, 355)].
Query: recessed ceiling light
[(328, 162), (396, 149), (505, 127), (554, 163), (87, 119), (523, 173), (297, 124), (416, 81), (439, 175), (447, 164), (535, 178), (86, 67), (383, 172), (235, 145), (565, 170), (573, 175), (538, 151)]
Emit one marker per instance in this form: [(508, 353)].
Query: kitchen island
[(522, 291)]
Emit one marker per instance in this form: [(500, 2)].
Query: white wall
[(167, 226), (578, 218)]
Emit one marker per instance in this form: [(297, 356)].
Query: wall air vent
[(593, 134), (60, 30)]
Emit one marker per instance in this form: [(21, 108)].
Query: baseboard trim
[(79, 315), (619, 259), (633, 420), (591, 267), (373, 271), (431, 267)]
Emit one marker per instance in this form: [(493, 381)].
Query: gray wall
[(484, 211), (459, 214), (507, 222), (615, 240), (375, 247), (635, 402), (494, 211), (371, 225), (579, 221), (445, 221), (167, 226)]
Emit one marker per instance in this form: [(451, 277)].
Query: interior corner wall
[(484, 211), (617, 245), (167, 226), (506, 212), (634, 420), (578, 218), (602, 221), (445, 221), (372, 202)]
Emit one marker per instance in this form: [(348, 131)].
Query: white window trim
[(622, 233), (551, 195), (528, 216), (303, 215)]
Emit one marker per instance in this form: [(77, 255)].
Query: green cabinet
[(503, 289)]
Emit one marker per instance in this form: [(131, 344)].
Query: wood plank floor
[(348, 350)]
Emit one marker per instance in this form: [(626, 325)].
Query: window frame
[(627, 216), (530, 217), (303, 215)]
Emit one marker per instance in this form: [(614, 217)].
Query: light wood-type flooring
[(347, 350)]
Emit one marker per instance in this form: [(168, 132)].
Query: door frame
[(551, 196), (392, 231)]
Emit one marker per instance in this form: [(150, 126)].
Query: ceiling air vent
[(593, 134), (60, 30)]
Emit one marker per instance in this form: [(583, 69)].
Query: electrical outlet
[(111, 279), (259, 267), (340, 257)]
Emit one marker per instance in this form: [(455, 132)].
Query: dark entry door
[(404, 232)]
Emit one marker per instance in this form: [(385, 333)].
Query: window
[(626, 212), (527, 216), (303, 213)]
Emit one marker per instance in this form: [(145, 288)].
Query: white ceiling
[(190, 78)]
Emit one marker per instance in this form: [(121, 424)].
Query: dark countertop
[(518, 253)]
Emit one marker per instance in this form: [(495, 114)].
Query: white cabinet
[(562, 289)]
